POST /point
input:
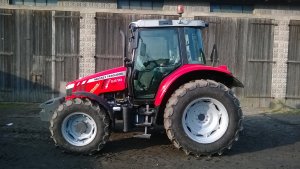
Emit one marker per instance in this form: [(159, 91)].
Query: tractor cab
[(158, 47)]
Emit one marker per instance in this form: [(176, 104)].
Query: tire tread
[(92, 105), (179, 93)]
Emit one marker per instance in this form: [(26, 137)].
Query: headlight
[(69, 92)]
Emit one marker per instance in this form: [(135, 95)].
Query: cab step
[(150, 113), (143, 124), (144, 135), (147, 123)]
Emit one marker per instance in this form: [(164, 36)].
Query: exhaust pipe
[(124, 45)]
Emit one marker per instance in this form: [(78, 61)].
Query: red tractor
[(164, 82)]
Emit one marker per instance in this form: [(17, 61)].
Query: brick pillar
[(87, 44), (3, 2), (280, 55)]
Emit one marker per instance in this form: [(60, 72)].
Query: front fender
[(102, 102), (49, 107)]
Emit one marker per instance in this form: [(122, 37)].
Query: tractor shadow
[(267, 131), (120, 141), (261, 132)]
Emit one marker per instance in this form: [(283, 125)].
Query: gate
[(246, 47), (67, 36), (6, 54), (259, 61), (109, 49), (26, 53), (293, 63), (23, 70)]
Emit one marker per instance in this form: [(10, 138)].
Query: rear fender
[(190, 72)]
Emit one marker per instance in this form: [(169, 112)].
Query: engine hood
[(111, 80)]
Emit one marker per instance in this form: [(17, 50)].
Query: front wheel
[(203, 117), (80, 126)]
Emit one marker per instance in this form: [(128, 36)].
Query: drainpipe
[(123, 45)]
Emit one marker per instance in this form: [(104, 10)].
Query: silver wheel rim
[(205, 120), (79, 129)]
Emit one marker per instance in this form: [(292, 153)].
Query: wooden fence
[(293, 63), (67, 28), (28, 41), (32, 43), (246, 47)]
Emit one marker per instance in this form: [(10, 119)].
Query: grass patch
[(16, 105), (286, 110)]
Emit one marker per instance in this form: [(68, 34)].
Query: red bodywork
[(167, 82), (107, 81), (114, 80)]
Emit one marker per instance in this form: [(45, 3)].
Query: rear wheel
[(80, 126), (203, 117)]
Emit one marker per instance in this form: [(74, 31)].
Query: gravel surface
[(269, 140)]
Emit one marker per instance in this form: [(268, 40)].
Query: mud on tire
[(179, 124), (93, 126)]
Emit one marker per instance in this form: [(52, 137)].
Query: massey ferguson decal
[(113, 75), (116, 80)]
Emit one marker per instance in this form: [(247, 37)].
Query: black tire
[(98, 114), (186, 94)]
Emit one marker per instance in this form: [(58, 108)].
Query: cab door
[(156, 56)]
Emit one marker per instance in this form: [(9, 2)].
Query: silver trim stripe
[(109, 76)]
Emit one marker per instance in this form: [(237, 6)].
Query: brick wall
[(277, 10), (280, 56), (102, 4), (87, 44)]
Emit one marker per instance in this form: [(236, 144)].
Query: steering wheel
[(150, 65)]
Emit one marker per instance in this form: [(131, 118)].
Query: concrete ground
[(269, 140)]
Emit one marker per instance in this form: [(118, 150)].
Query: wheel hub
[(202, 117), (205, 120), (79, 129)]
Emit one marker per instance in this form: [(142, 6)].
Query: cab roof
[(167, 23)]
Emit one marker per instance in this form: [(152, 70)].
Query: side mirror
[(127, 62), (214, 58), (131, 44), (132, 41)]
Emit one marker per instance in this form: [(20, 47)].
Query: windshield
[(160, 46), (194, 46)]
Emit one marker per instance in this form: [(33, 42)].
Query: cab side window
[(194, 46)]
